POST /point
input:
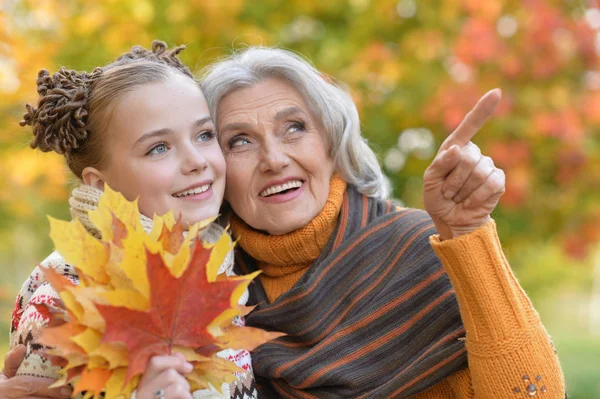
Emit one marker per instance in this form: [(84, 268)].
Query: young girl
[(142, 126)]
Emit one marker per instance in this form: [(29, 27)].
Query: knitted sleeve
[(27, 321), (510, 353)]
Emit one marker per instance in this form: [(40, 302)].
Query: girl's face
[(161, 147)]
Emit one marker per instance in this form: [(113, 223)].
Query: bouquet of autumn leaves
[(142, 294)]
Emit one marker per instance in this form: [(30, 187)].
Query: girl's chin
[(191, 220)]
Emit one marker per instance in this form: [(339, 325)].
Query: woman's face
[(162, 148), (278, 164)]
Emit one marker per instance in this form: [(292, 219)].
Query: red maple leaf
[(180, 311)]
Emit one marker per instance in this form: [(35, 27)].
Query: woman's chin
[(279, 229)]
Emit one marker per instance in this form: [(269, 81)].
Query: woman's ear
[(93, 177)]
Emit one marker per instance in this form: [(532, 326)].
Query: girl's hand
[(26, 387), (165, 373), (462, 187)]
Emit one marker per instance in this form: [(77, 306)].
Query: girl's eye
[(158, 149), (238, 142), (206, 136)]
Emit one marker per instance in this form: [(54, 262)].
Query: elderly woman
[(374, 302), (377, 301)]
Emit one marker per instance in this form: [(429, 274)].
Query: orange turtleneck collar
[(283, 259)]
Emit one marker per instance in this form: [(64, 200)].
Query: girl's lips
[(198, 197), (284, 197)]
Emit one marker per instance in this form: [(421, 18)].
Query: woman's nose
[(273, 159)]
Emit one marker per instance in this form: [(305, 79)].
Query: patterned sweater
[(27, 321)]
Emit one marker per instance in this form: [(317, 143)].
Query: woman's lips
[(284, 197)]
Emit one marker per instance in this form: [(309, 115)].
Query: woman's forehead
[(274, 96)]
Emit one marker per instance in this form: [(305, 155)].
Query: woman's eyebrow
[(236, 126), (284, 113)]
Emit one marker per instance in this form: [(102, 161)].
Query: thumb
[(444, 162), (13, 360)]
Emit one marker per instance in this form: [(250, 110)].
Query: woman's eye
[(158, 149), (206, 136), (238, 142), (297, 127)]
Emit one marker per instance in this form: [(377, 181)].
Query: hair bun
[(160, 53), (59, 121)]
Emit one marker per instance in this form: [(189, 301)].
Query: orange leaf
[(59, 282), (180, 311), (92, 381), (60, 337), (171, 240), (246, 337)]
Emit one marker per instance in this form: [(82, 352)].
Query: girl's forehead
[(174, 104)]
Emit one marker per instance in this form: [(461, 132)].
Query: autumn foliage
[(142, 294), (409, 64)]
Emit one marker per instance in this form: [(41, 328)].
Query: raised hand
[(462, 187)]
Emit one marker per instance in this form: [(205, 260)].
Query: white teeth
[(281, 187), (196, 190)]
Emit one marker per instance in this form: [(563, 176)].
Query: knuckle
[(181, 390), (455, 182), (474, 148), (479, 175), (470, 159), (154, 363), (501, 173), (172, 375), (176, 363), (497, 184), (488, 161)]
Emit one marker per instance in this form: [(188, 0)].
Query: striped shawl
[(374, 316)]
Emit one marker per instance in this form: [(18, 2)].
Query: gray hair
[(353, 159)]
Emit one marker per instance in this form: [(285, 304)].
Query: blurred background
[(414, 68)]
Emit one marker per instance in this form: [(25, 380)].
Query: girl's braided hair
[(73, 106)]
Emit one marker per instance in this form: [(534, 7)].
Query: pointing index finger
[(474, 120)]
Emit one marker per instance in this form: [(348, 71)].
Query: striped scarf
[(374, 316)]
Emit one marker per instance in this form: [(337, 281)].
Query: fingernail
[(448, 155), (65, 391), (188, 367), (449, 194)]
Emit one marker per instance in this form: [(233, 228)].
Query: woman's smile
[(283, 190), (278, 162)]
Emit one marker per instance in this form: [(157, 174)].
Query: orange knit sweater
[(510, 354)]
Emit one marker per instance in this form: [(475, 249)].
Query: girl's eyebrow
[(166, 131), (203, 121), (152, 135)]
